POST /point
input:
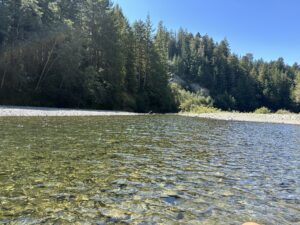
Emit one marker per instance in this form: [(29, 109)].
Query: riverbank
[(17, 111), (43, 111), (249, 117)]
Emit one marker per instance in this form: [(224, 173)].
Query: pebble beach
[(41, 111), (6, 111), (250, 117)]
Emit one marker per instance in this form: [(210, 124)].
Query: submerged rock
[(250, 223), (115, 214)]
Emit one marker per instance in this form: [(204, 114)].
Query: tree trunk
[(3, 79), (45, 66)]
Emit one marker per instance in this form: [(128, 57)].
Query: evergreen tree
[(84, 53), (296, 91)]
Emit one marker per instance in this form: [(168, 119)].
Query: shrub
[(188, 101), (283, 111), (262, 110), (205, 109)]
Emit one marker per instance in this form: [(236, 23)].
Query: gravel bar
[(250, 117), (6, 111)]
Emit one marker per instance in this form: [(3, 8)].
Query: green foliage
[(283, 111), (234, 83), (204, 109), (296, 90), (225, 101), (80, 53), (262, 110), (84, 53), (188, 101)]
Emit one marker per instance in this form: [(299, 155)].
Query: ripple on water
[(148, 170)]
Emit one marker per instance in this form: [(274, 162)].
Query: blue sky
[(267, 28)]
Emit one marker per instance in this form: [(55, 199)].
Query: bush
[(188, 101), (205, 109), (283, 111), (262, 110), (225, 101)]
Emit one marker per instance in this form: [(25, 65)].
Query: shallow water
[(148, 170)]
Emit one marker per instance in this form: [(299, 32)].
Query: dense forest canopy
[(84, 53)]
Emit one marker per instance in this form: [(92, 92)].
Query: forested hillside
[(234, 83), (84, 53)]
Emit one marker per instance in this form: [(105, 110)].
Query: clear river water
[(148, 170)]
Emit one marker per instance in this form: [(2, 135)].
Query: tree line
[(85, 54), (234, 83)]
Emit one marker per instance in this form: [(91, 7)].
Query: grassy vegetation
[(200, 102), (193, 102), (263, 110), (283, 111), (205, 109)]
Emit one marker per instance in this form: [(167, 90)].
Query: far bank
[(249, 117)]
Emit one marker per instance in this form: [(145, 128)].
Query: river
[(148, 170)]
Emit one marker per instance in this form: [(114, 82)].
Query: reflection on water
[(148, 170)]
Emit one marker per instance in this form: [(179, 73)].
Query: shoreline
[(24, 111), (292, 119)]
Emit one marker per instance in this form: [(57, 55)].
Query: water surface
[(148, 170)]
